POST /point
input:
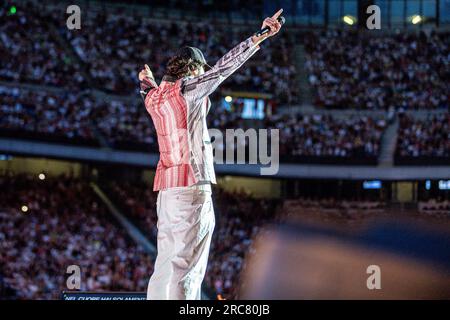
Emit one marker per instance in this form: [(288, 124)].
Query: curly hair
[(179, 67)]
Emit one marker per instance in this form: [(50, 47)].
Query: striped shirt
[(178, 109)]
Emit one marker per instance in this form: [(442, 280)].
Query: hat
[(195, 54)]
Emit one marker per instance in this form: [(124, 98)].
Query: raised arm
[(147, 81), (201, 86)]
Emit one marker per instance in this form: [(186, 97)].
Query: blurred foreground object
[(295, 261)]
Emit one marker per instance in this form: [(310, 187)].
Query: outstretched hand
[(272, 23), (145, 73)]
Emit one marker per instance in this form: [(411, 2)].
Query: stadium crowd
[(323, 135), (77, 117), (114, 46), (58, 114), (138, 200), (424, 138), (349, 69), (48, 225), (126, 124), (31, 52)]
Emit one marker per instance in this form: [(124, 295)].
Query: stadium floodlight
[(444, 184), (416, 19), (348, 19)]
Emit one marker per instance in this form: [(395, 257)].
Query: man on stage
[(185, 171)]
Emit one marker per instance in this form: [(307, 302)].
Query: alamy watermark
[(237, 144), (74, 20), (73, 282), (374, 280), (374, 20)]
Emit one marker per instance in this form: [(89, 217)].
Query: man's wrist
[(257, 40)]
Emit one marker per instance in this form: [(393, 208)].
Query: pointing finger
[(276, 15)]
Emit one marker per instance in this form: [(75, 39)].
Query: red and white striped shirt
[(178, 109)]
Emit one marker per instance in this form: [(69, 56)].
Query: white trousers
[(185, 225)]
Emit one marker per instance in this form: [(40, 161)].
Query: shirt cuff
[(148, 83)]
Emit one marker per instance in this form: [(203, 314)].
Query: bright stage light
[(350, 20), (415, 19), (41, 176), (24, 209), (228, 99)]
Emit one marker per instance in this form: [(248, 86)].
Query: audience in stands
[(51, 224), (31, 52), (424, 138), (58, 114), (138, 200), (65, 224), (349, 69), (115, 46), (126, 124), (323, 135)]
